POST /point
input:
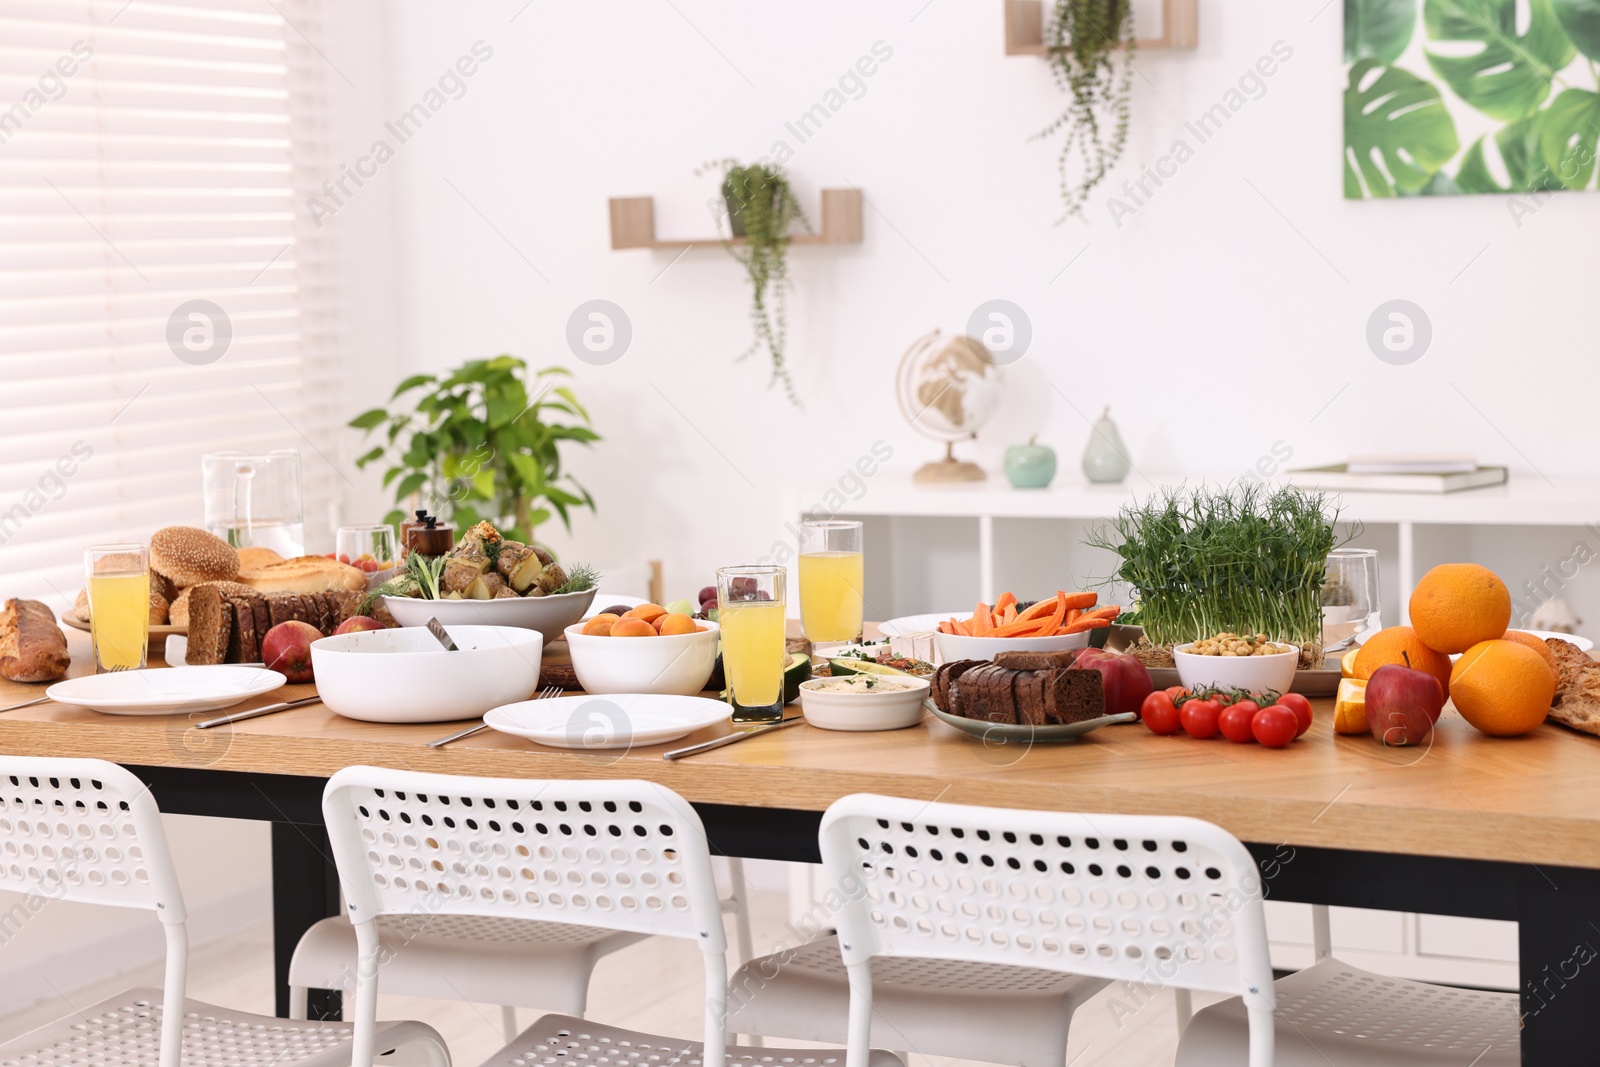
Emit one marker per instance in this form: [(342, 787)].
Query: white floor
[(652, 986)]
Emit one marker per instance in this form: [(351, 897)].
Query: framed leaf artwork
[(1445, 97)]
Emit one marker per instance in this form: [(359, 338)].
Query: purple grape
[(708, 593)]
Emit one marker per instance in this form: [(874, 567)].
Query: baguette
[(32, 646)]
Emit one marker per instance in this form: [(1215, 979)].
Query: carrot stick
[(964, 629), (1038, 610), (1085, 623), (982, 620), (1010, 615), (1029, 628), (1081, 600), (1072, 616), (1006, 600), (1057, 616)]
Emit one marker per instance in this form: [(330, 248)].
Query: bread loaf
[(305, 574), (32, 646), (1577, 700), (188, 556), (178, 613), (995, 692)]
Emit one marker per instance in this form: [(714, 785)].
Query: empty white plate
[(919, 624), (620, 720), (155, 691)]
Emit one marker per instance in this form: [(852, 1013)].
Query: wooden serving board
[(72, 619)]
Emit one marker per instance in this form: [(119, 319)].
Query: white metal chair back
[(89, 831), (1160, 901), (623, 855)]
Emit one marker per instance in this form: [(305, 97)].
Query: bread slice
[(942, 677), (305, 574), (210, 625), (263, 618), (281, 607), (1037, 661), (1029, 688), (1074, 695), (991, 687), (178, 613), (242, 644), (325, 612)]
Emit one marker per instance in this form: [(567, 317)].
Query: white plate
[(177, 652), (622, 720), (547, 614), (154, 691), (603, 599), (919, 624), (1583, 643)]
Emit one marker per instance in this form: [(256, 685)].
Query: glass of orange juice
[(831, 574), (118, 578), (750, 611)]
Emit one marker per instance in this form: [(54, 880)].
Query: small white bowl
[(547, 614), (677, 664), (953, 646), (405, 675), (888, 709), (1255, 673)]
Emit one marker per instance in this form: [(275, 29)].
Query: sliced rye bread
[(1074, 696), (990, 689), (327, 613), (263, 613), (281, 607), (1037, 661), (210, 624), (1029, 688), (940, 683), (243, 645)]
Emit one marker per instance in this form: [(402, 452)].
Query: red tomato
[(1275, 726), (1160, 714), (368, 565), (1234, 722), (1223, 699), (1177, 691), (343, 558), (1301, 708), (1199, 718)]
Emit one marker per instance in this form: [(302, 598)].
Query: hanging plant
[(1090, 46), (761, 208)]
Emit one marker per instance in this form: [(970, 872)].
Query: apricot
[(648, 612), (632, 627), (600, 625), (675, 623)]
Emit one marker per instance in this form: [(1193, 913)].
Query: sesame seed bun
[(188, 556)]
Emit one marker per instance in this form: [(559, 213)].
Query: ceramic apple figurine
[(1030, 466)]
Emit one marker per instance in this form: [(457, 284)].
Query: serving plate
[(919, 624), (154, 691), (547, 614), (1583, 643), (599, 723), (77, 622), (1006, 733)]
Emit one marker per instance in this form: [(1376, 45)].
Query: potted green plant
[(761, 208), (1090, 46), (482, 442)]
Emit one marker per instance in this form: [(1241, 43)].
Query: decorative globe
[(947, 386)]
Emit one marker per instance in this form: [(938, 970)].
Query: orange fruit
[(1502, 687), (632, 627), (1458, 605), (600, 625), (1400, 644), (673, 623), (1537, 644), (648, 612)]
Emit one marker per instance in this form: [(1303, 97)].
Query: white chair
[(89, 831), (1151, 901), (1335, 1015), (618, 855)]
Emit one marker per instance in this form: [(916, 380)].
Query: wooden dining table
[(1467, 825)]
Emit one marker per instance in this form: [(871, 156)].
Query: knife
[(240, 716), (728, 739)]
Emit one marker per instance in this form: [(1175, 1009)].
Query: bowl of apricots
[(648, 649)]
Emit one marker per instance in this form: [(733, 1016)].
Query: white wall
[(1224, 316)]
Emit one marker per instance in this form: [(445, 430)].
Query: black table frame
[(1557, 940)]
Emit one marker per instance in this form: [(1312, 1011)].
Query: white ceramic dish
[(619, 721), (919, 624), (603, 599), (154, 691), (678, 664), (1256, 673), (1583, 643), (405, 675), (547, 614), (888, 709), (954, 646), (176, 652)]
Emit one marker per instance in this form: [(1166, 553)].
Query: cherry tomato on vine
[(1275, 726), (1199, 718), (1301, 708), (1160, 714), (1234, 722), (1177, 691)]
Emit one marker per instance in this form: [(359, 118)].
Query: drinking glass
[(750, 611), (1350, 605), (831, 574), (118, 577), (371, 548)]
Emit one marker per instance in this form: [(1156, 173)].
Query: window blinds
[(156, 154)]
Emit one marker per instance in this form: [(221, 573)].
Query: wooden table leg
[(1558, 951), (305, 890)]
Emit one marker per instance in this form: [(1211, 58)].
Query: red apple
[(1126, 680), (287, 649), (358, 622), (1403, 704)]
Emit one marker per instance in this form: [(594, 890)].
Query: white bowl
[(953, 646), (405, 675), (889, 709), (677, 664), (547, 614), (1255, 673)]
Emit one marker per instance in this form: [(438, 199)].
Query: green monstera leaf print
[(1581, 20), (1397, 132), (1504, 74), (1378, 29), (1569, 136), (1518, 147)]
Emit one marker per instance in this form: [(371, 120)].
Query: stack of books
[(1399, 474)]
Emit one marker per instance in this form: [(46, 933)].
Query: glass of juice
[(750, 611), (119, 604), (831, 575)]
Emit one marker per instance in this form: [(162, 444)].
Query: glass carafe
[(254, 500)]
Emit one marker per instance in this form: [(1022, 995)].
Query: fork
[(546, 692)]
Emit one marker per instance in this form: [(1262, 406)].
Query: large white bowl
[(676, 664), (888, 709), (1255, 673), (547, 614), (954, 646), (405, 675)]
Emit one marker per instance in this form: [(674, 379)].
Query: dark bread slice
[(1037, 661), (210, 623), (345, 604), (327, 613), (281, 607), (263, 614), (243, 645), (991, 692), (302, 609), (940, 684), (1074, 696), (1029, 689)]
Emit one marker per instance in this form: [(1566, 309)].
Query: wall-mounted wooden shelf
[(633, 224), (1180, 27)]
